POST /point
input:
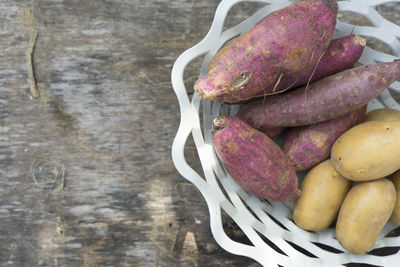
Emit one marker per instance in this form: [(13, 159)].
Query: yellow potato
[(395, 178), (368, 151), (364, 212), (383, 114), (322, 193)]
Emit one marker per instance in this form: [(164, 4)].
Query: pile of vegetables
[(290, 76)]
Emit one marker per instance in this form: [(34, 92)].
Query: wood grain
[(106, 114), (86, 176)]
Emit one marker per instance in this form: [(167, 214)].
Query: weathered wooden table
[(87, 119)]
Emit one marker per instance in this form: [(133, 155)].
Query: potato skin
[(322, 192), (368, 151), (254, 160), (395, 178), (383, 114), (364, 212)]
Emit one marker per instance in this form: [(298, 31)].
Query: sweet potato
[(254, 160), (306, 146), (323, 100), (284, 44), (341, 54)]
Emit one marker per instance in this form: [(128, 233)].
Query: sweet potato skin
[(254, 160), (341, 54), (306, 146), (323, 100), (285, 43)]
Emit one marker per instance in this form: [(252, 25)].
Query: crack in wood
[(27, 20), (33, 34)]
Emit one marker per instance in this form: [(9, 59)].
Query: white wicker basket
[(256, 217)]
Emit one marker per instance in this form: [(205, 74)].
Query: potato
[(364, 212), (383, 114), (395, 218), (368, 151), (322, 193)]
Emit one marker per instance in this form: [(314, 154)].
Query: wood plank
[(86, 176)]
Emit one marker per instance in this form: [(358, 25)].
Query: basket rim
[(190, 124)]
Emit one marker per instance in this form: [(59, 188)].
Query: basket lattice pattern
[(259, 219)]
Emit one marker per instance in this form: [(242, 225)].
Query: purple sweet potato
[(306, 146), (323, 100), (254, 160), (341, 55), (284, 44)]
